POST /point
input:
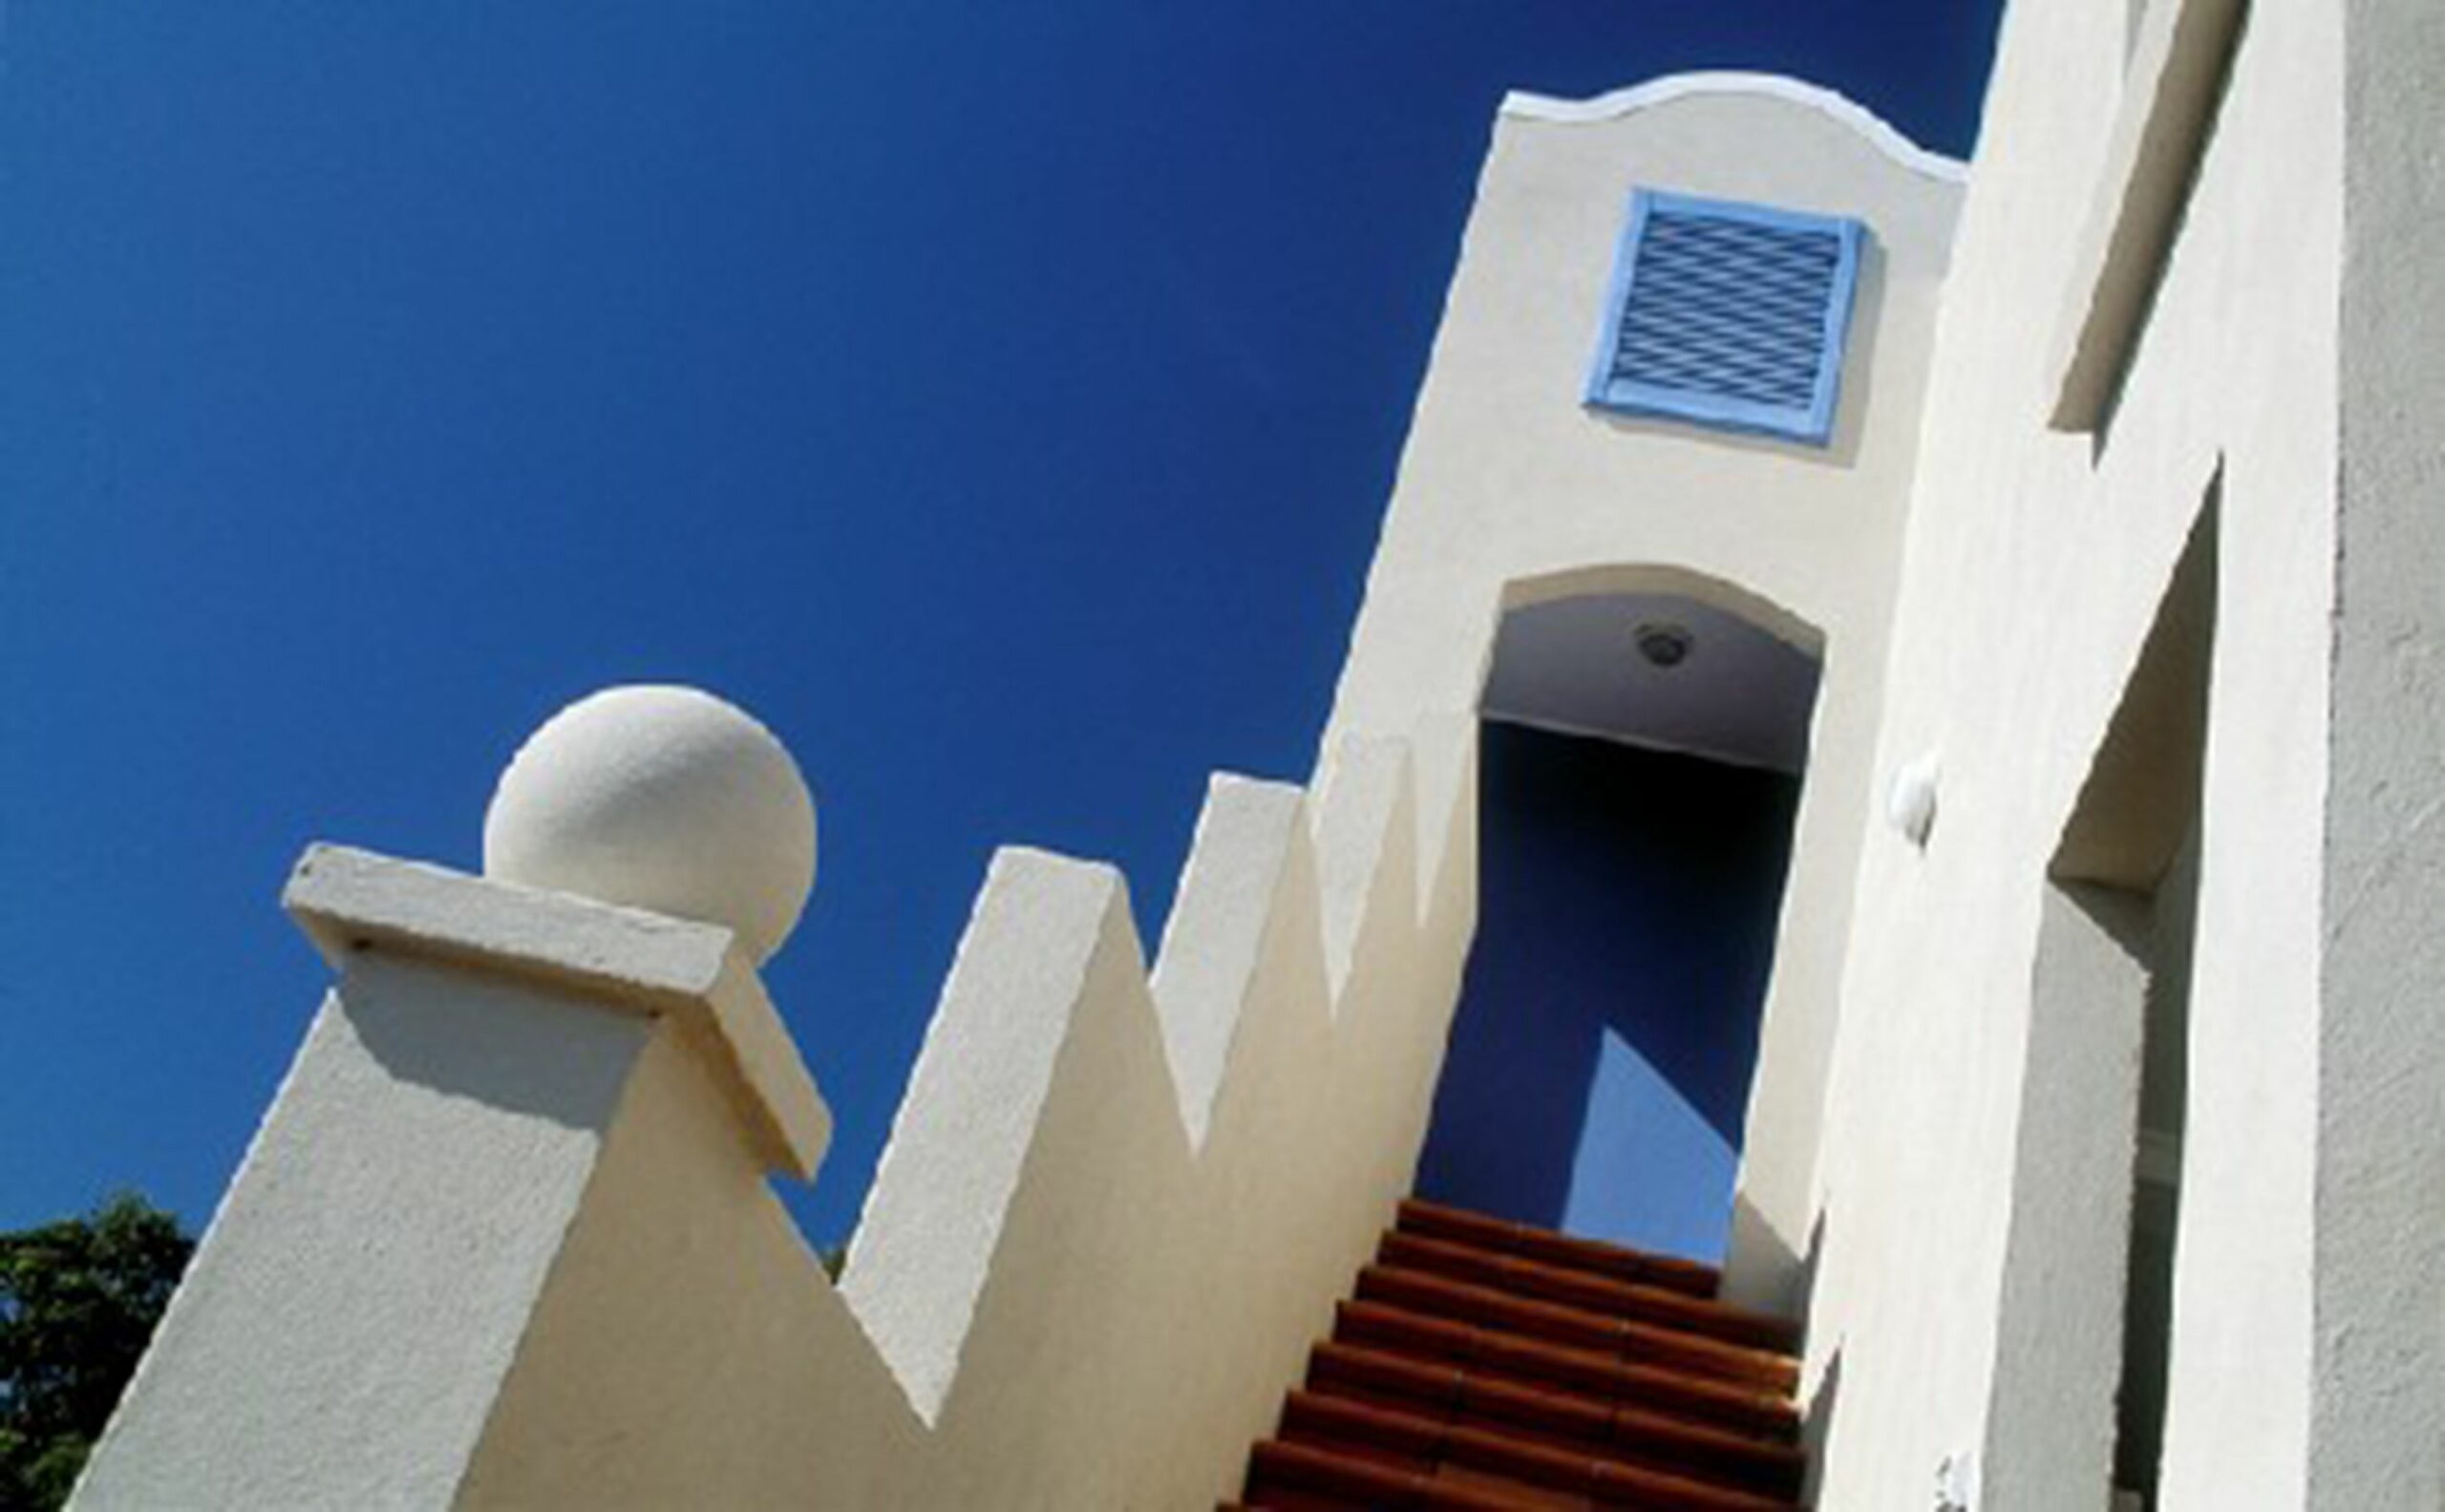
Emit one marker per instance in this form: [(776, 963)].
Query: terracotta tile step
[(1576, 1327), (1636, 1434), (1747, 1408), (1303, 1476), (1540, 1281), (1282, 1498), (1504, 1465), (1614, 1262)]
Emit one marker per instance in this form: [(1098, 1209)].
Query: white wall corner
[(1214, 941), (943, 1194), (1364, 823), (1444, 761)]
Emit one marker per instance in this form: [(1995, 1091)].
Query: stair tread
[(1632, 1429), (1627, 1338), (1529, 1361), (1618, 1261), (1538, 1280), (1422, 1446), (1481, 1365), (1278, 1463)]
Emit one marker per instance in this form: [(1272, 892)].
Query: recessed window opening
[(1641, 762), (2085, 1347)]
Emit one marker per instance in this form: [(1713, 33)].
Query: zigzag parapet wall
[(505, 1237)]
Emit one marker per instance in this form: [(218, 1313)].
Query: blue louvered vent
[(1727, 315)]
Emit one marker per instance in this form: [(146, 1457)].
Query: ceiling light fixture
[(1665, 646)]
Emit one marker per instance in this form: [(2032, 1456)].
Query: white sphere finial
[(660, 797)]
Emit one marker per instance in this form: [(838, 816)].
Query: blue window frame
[(1727, 315)]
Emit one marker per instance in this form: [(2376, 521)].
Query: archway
[(1642, 745)]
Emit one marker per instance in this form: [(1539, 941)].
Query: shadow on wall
[(1600, 1057)]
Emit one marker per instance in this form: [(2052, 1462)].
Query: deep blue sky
[(999, 400)]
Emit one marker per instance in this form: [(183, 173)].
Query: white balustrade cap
[(625, 958)]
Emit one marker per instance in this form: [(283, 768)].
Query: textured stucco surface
[(688, 1351), (1115, 1211), (344, 1330), (2033, 563), (2059, 1335), (660, 797), (2380, 1311)]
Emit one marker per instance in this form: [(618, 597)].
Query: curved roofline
[(1879, 131)]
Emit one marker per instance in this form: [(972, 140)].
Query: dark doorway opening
[(1630, 881)]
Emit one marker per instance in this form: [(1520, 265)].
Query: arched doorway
[(1641, 757)]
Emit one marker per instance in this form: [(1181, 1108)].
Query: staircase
[(1487, 1366)]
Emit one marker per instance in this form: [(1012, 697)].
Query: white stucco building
[(1893, 744)]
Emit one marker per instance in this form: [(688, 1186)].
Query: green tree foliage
[(78, 1298)]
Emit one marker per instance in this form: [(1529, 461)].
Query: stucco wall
[(2380, 1311), (1510, 492), (2059, 1336), (1113, 1212), (358, 1300), (2035, 561)]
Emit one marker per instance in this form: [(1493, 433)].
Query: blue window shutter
[(1731, 315)]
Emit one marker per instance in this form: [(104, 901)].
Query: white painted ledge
[(349, 900), (1521, 105), (2178, 70)]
